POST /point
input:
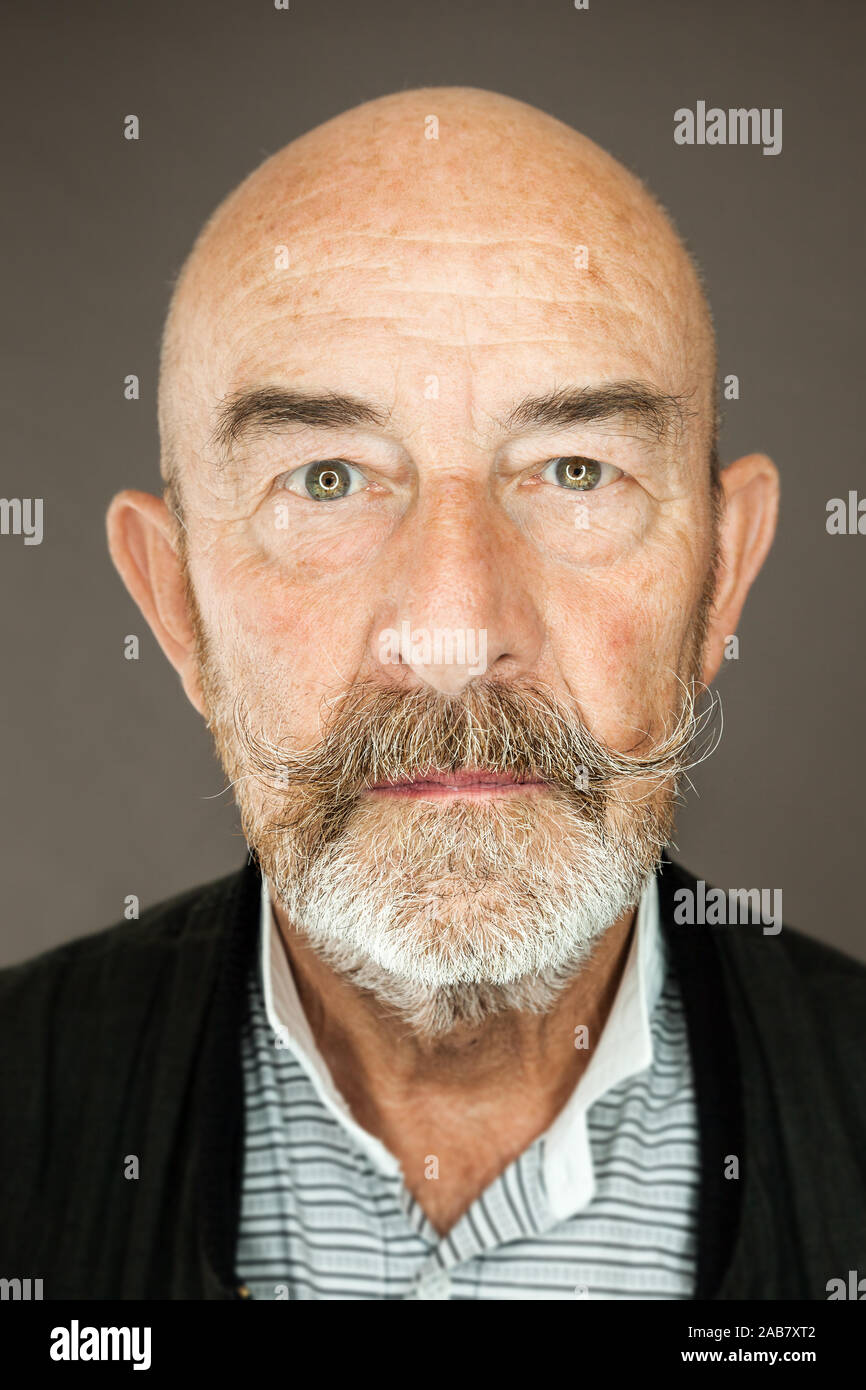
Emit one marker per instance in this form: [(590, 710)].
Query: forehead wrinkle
[(429, 240), (272, 308), (284, 290), (329, 259), (457, 295), (251, 275), (251, 359)]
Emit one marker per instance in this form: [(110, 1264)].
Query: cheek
[(621, 654), (287, 644)]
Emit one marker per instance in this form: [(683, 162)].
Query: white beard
[(451, 913)]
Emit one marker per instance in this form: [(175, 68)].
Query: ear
[(141, 533), (747, 528)]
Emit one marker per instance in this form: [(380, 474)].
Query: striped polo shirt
[(602, 1205)]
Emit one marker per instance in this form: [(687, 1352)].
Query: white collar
[(624, 1049)]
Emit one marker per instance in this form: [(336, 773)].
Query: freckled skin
[(452, 259)]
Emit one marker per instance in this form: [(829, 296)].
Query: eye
[(579, 474), (325, 479)]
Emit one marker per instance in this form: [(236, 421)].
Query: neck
[(476, 1097)]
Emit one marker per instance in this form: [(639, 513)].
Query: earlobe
[(141, 542), (747, 528)]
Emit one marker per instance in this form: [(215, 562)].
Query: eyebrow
[(261, 410), (657, 412), (264, 409)]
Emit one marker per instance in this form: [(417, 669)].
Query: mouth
[(459, 784)]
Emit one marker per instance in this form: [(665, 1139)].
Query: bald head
[(455, 215)]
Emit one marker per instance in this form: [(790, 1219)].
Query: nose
[(464, 605)]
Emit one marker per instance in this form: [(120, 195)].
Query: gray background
[(109, 783)]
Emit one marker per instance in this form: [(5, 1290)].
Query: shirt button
[(435, 1285)]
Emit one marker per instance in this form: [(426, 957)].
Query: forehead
[(370, 287)]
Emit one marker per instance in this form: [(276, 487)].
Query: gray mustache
[(374, 734)]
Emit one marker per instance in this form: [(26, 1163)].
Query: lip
[(455, 784)]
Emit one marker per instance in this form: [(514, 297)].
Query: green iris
[(328, 479), (577, 473)]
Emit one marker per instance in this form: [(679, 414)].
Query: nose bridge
[(453, 575), (459, 609)]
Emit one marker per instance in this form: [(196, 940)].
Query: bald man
[(446, 560)]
